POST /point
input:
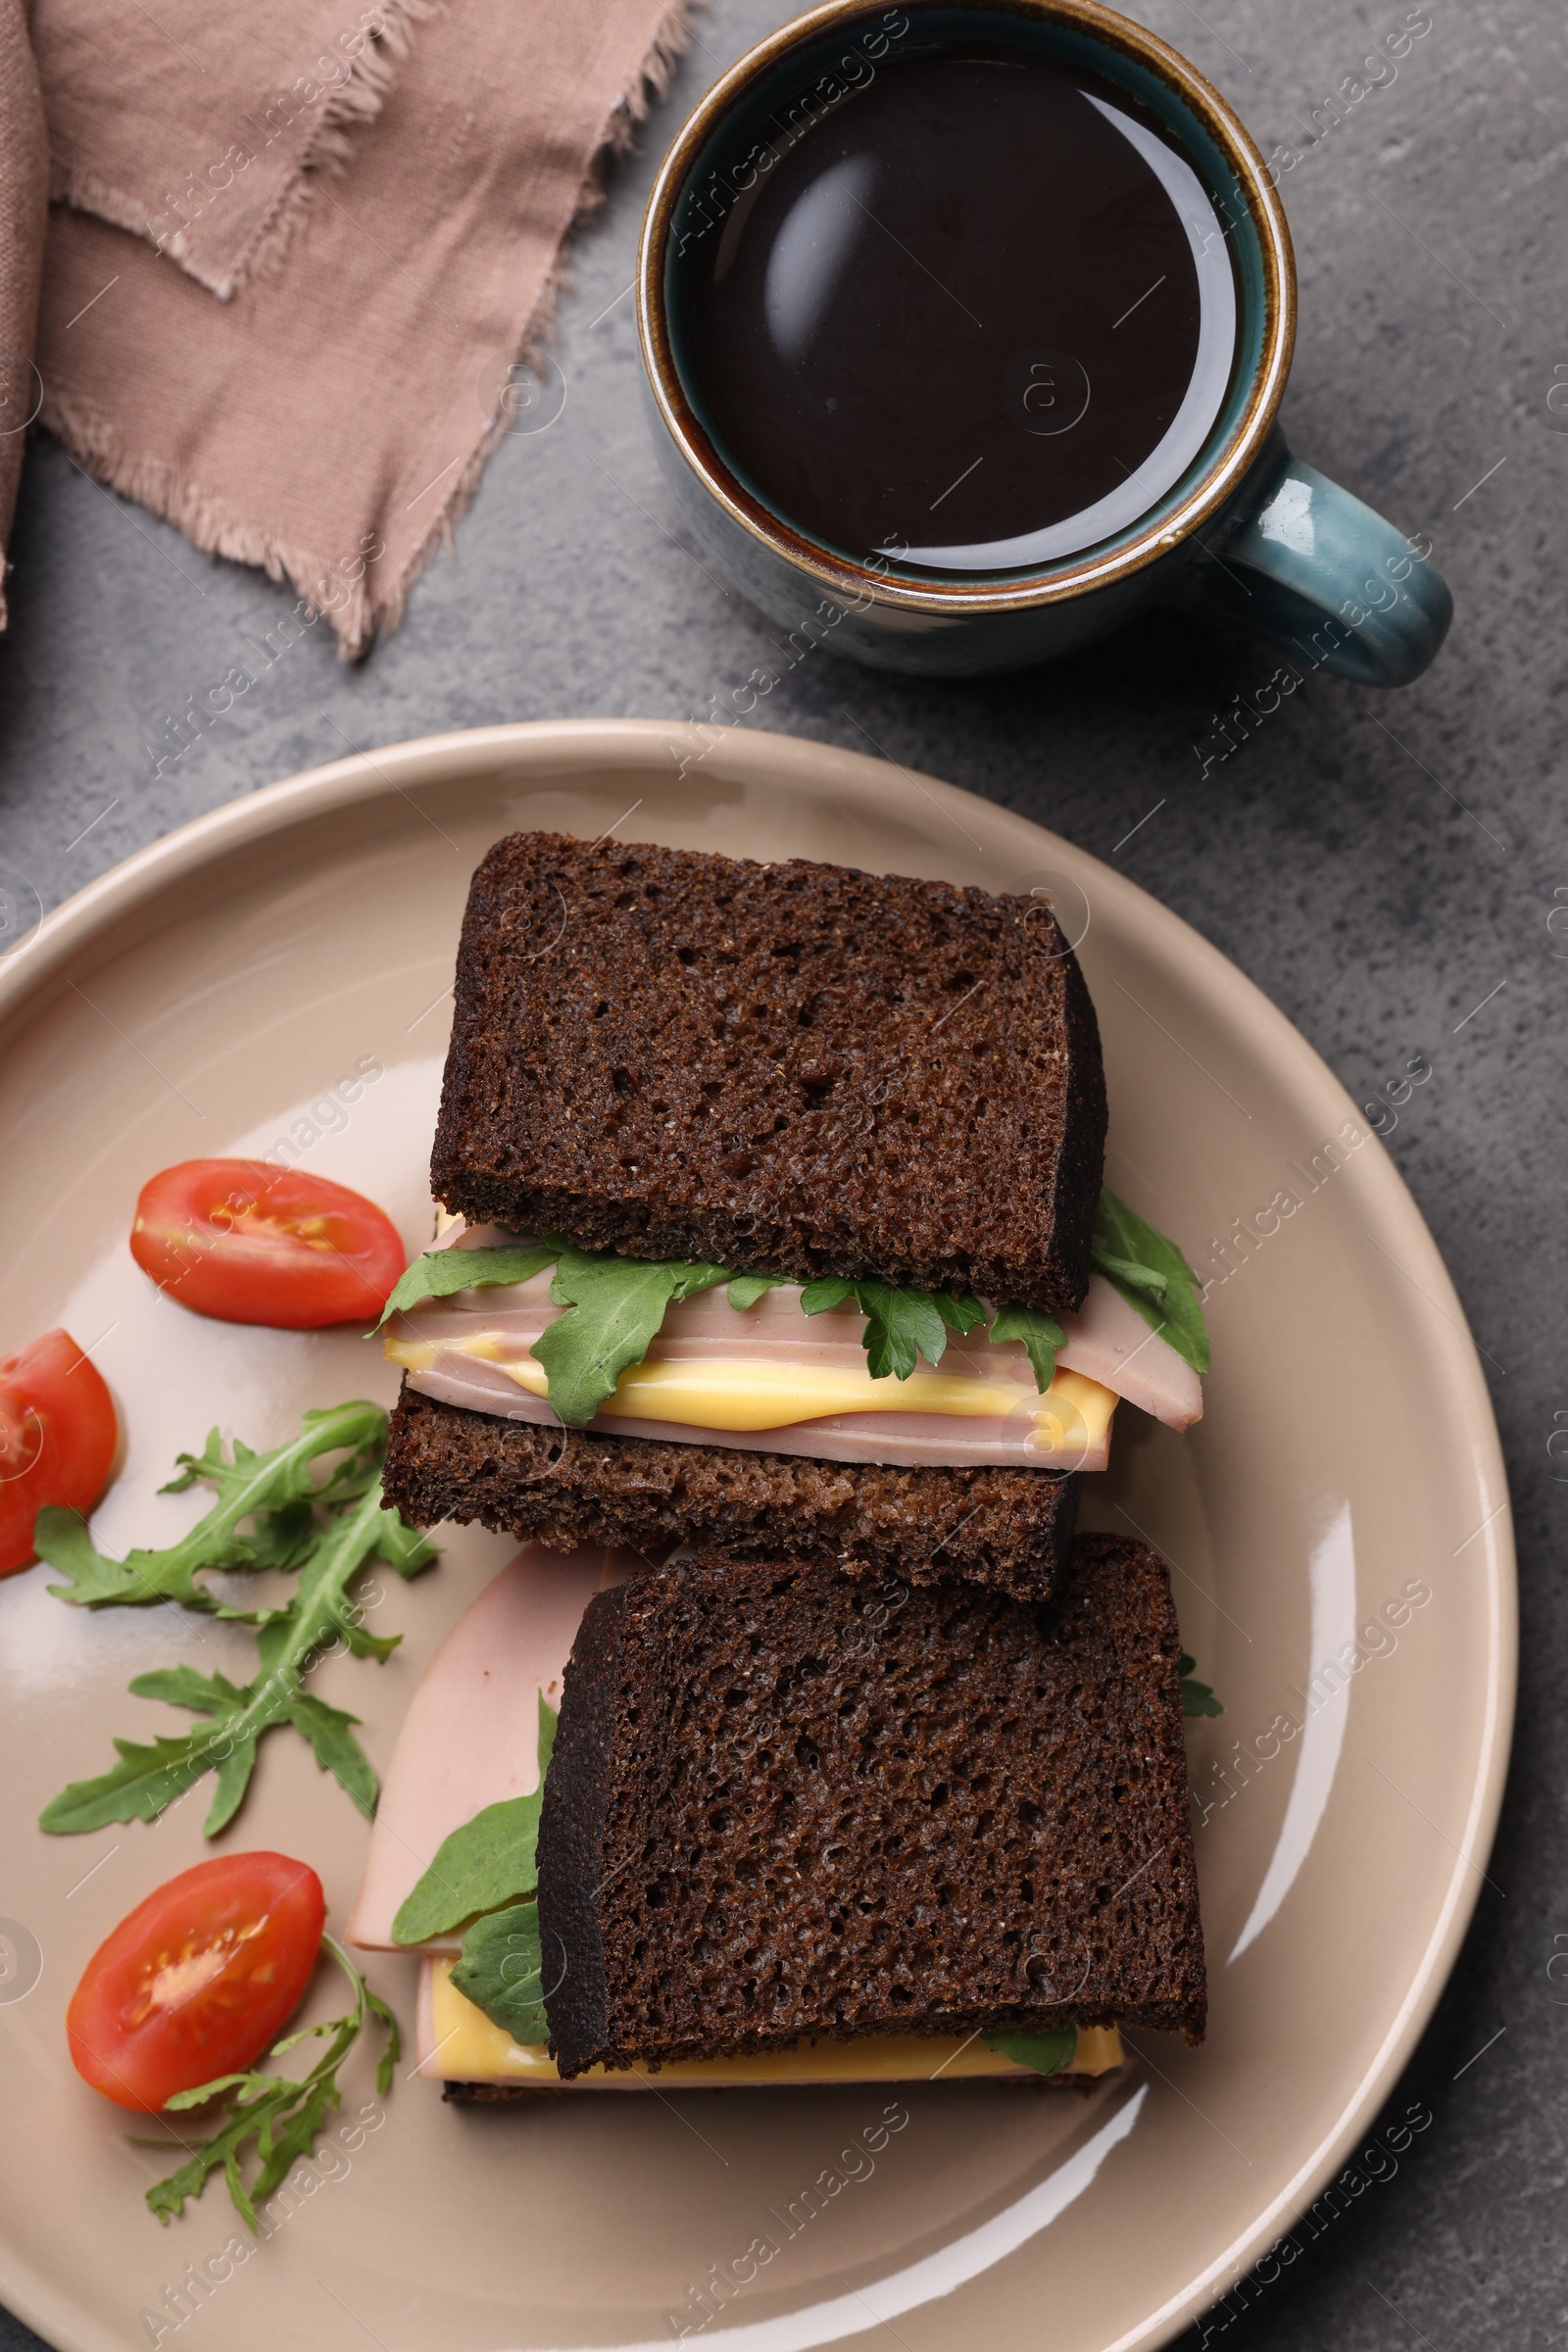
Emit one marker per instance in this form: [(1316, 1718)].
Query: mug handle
[(1306, 566)]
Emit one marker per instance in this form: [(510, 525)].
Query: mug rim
[(842, 575)]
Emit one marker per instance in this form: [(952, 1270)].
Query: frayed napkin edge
[(210, 522), (325, 157)]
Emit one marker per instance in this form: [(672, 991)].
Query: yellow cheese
[(466, 2047), (725, 1393)]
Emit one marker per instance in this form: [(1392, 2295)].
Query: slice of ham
[(1107, 1342), (470, 1736), (901, 1440)]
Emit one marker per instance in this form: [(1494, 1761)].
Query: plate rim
[(791, 762)]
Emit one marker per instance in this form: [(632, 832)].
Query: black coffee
[(980, 311)]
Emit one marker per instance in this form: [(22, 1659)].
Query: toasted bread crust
[(570, 1932), (773, 1814), (1009, 1529), (797, 1068)]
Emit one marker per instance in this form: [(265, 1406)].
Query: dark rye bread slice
[(794, 1068), (777, 1810), (1009, 1529)]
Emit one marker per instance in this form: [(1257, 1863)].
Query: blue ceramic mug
[(1247, 534)]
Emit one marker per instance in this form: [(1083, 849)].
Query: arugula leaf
[(498, 1970), (1151, 1275), (617, 1304), (1040, 1333), (406, 1550), (745, 1289), (282, 2117), (1047, 2053), (1197, 1697), (183, 1687), (492, 1861), (440, 1272), (1128, 1274), (148, 1779), (334, 1748), (617, 1307), (488, 1862), (273, 1488)]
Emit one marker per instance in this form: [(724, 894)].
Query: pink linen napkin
[(24, 189), (207, 128), (331, 417)]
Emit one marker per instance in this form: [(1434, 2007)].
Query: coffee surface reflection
[(982, 313)]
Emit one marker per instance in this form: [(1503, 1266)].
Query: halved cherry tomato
[(250, 1242), (58, 1436), (199, 1980)]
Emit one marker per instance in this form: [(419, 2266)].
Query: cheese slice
[(734, 1393), (459, 2043)]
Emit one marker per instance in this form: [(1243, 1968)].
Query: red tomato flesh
[(198, 1980), (58, 1437), (249, 1242)]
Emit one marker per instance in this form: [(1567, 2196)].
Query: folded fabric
[(24, 185), (209, 129), (331, 419)]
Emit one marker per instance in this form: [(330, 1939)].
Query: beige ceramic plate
[(207, 997)]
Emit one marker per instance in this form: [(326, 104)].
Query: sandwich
[(775, 1224), (787, 1831), (761, 1824)]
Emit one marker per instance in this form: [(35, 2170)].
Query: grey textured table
[(1384, 867)]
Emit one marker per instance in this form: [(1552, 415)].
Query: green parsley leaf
[(617, 1305), (1197, 1697), (1040, 1333), (900, 1325), (745, 1289), (1047, 2053), (440, 1272), (829, 1290), (355, 1528), (960, 1314), (499, 1970), (1151, 1275), (488, 1862), (275, 1489), (284, 2118)]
